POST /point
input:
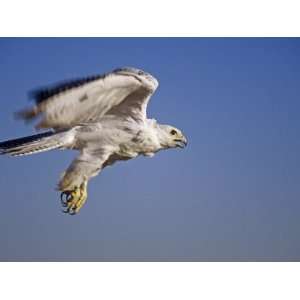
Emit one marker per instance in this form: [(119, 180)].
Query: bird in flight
[(104, 118)]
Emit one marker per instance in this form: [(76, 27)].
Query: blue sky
[(232, 194)]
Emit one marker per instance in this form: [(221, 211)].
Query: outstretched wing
[(124, 91)]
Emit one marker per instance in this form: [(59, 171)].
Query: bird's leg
[(73, 200)]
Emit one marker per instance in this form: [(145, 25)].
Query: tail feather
[(34, 143)]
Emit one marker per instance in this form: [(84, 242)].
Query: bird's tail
[(36, 143)]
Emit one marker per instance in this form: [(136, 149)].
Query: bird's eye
[(173, 132)]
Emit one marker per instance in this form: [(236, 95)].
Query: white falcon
[(104, 118)]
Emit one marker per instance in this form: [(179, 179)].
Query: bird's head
[(171, 137)]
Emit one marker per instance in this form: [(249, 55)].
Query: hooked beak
[(181, 142)]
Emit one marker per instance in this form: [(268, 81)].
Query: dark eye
[(173, 132)]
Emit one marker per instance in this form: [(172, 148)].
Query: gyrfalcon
[(103, 117)]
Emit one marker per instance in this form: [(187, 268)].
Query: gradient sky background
[(232, 194)]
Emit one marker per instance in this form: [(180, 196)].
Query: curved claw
[(69, 211), (65, 197), (73, 200)]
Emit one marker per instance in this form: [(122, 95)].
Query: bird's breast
[(127, 151)]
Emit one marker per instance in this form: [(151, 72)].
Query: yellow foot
[(73, 200)]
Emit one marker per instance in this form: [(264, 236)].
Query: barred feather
[(34, 143)]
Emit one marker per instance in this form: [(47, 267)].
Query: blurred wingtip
[(26, 114)]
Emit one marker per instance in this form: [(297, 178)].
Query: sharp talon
[(66, 211), (64, 198), (73, 200), (69, 211)]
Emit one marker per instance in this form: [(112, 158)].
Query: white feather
[(107, 121), (91, 101)]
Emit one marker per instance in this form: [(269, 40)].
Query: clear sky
[(232, 194)]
